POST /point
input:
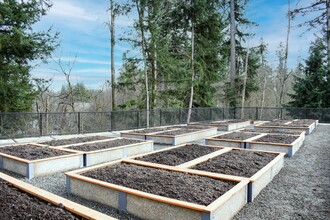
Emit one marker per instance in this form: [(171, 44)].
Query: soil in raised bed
[(199, 127), (185, 187), (178, 132), (30, 152), (274, 123), (230, 121), (75, 140), (180, 155), (236, 136), (274, 130), (17, 204), (277, 138), (103, 145), (150, 130), (237, 162), (298, 124), (305, 121)]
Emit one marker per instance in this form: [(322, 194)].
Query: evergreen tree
[(19, 45), (312, 90)]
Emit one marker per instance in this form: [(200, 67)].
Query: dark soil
[(274, 130), (150, 130), (237, 163), (16, 204), (178, 132), (185, 187), (30, 152), (104, 145), (179, 155), (230, 121), (75, 140), (276, 138), (305, 121), (274, 123), (199, 127), (237, 136), (298, 124)]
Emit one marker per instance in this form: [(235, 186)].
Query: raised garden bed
[(159, 192), (141, 133), (293, 125), (276, 123), (62, 142), (177, 155), (307, 121), (31, 161), (231, 139), (180, 136), (288, 144), (275, 131), (20, 200), (109, 150), (178, 131), (226, 125), (259, 166)]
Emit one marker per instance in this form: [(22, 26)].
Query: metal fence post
[(110, 121), (223, 113), (210, 114), (179, 115), (306, 113), (257, 113), (138, 119), (281, 114), (40, 124), (234, 112), (78, 124), (160, 117)]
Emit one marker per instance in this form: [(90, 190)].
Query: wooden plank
[(15, 158), (54, 199)]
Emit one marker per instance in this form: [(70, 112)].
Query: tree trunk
[(263, 96), (192, 70), (112, 39), (328, 34), (244, 83), (285, 68), (287, 38), (152, 11), (143, 45), (155, 73), (232, 44)]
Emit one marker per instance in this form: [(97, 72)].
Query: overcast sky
[(84, 37)]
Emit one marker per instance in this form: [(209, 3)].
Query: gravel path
[(300, 191), (302, 188)]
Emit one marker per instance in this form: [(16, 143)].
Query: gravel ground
[(300, 191)]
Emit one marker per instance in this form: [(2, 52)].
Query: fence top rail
[(150, 110)]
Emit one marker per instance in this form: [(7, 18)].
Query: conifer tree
[(19, 45), (312, 89)]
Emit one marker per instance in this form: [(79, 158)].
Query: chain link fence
[(14, 125)]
